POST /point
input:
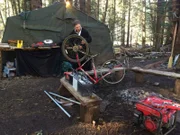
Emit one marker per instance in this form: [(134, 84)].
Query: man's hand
[(80, 47), (82, 42)]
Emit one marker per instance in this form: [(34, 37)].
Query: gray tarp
[(55, 22)]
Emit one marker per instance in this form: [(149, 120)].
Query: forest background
[(137, 23)]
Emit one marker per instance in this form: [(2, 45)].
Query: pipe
[(65, 98), (59, 102), (58, 105)]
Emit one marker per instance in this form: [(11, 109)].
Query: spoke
[(69, 48), (70, 44), (82, 52)]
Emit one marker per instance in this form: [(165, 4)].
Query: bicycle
[(112, 71)]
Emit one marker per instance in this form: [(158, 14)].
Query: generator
[(156, 114)]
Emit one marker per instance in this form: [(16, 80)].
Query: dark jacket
[(84, 34)]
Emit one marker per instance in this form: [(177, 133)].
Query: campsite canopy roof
[(55, 22)]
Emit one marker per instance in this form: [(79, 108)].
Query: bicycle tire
[(71, 53), (113, 77)]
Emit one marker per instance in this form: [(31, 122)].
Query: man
[(81, 31), (85, 34)]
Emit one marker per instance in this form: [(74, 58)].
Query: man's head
[(77, 25)]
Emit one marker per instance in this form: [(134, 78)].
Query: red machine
[(156, 114)]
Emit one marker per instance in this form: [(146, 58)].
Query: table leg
[(139, 77)]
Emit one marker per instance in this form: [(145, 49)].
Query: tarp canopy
[(55, 22)]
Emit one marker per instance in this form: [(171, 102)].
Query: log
[(156, 64), (156, 72), (139, 74), (105, 70)]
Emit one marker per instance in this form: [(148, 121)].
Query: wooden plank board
[(105, 70), (84, 100), (155, 72)]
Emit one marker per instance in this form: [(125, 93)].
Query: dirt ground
[(26, 109)]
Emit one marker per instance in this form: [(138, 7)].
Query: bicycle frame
[(94, 79)]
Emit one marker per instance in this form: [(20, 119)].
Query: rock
[(156, 84)]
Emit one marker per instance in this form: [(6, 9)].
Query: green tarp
[(55, 22)]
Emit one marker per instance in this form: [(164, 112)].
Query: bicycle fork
[(94, 70)]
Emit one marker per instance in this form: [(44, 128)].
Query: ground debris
[(103, 105), (132, 95), (37, 112)]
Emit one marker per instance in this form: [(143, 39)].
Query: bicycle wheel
[(72, 46), (109, 72)]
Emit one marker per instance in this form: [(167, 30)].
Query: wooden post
[(177, 87), (89, 113), (139, 77)]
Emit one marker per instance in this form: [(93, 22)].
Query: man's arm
[(85, 34)]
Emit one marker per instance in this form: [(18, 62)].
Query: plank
[(156, 72), (84, 100), (105, 70)]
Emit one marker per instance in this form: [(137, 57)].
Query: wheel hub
[(75, 48)]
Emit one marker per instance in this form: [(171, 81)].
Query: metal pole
[(58, 105), (59, 101), (68, 104), (65, 98)]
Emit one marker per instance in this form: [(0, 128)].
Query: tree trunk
[(71, 2), (88, 7), (5, 7), (9, 11), (114, 20), (24, 6), (14, 7), (164, 29), (19, 6), (97, 14), (144, 24), (105, 12), (2, 18), (176, 7), (123, 23), (158, 25), (82, 5), (153, 16), (76, 3), (128, 30)]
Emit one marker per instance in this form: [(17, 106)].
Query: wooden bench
[(90, 105), (139, 76)]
